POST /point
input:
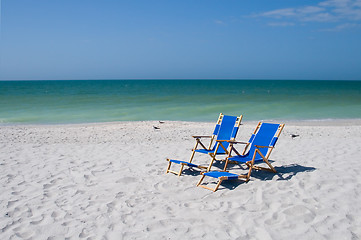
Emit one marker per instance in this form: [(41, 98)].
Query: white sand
[(108, 181)]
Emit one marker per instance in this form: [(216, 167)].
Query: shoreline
[(304, 122)]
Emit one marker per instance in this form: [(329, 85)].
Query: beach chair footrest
[(184, 163), (221, 175)]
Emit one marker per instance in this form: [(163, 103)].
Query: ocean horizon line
[(178, 79), (299, 122)]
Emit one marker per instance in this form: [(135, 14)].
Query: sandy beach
[(108, 181)]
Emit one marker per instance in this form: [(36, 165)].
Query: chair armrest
[(201, 136), (231, 141), (258, 146)]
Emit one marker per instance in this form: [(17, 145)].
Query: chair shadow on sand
[(191, 172), (284, 173)]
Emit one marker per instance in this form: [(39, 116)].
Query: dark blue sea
[(88, 101)]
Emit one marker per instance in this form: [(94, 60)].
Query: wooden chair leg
[(219, 183), (213, 156), (172, 171), (193, 152), (270, 167), (169, 164), (200, 180), (269, 164), (205, 187), (180, 170), (250, 166)]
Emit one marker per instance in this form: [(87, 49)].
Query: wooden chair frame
[(211, 154), (249, 164), (220, 180)]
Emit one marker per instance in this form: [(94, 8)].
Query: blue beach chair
[(226, 129), (260, 145)]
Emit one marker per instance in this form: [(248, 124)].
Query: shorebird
[(294, 135), (156, 127)]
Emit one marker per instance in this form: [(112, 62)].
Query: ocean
[(92, 101)]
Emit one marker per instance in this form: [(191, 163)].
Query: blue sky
[(188, 39)]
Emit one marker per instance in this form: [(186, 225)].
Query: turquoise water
[(188, 100)]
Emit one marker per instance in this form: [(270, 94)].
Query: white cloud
[(326, 11), (336, 3), (319, 17), (344, 9), (341, 27), (280, 24), (280, 13), (220, 22), (310, 10)]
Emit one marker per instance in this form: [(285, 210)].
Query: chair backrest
[(226, 130), (265, 136)]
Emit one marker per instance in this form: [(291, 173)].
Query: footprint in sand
[(84, 233), (111, 206), (300, 212), (47, 186), (11, 203), (54, 214), (127, 180), (275, 219), (24, 234), (119, 195), (37, 220)]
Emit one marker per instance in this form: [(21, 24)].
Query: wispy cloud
[(335, 11), (280, 24), (341, 27), (344, 9), (219, 22)]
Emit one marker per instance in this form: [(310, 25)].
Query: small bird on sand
[(156, 127), (161, 122), (294, 135)]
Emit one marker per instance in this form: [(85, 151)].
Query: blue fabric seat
[(217, 174), (183, 162), (206, 151)]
